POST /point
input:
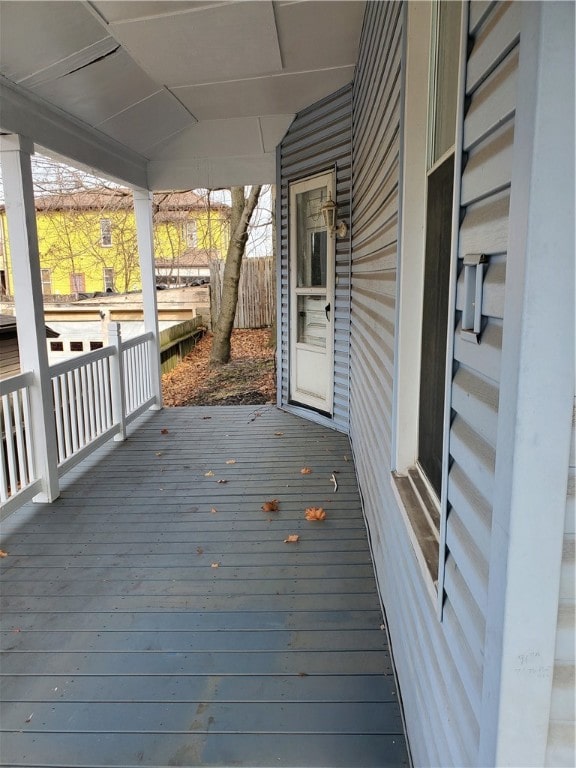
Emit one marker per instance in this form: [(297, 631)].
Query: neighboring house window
[(191, 234), (77, 282), (76, 346), (105, 233), (57, 346), (96, 345), (108, 279), (46, 276)]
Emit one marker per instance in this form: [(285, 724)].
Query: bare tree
[(241, 214)]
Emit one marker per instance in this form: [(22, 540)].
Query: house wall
[(9, 357), (439, 662), (69, 242), (561, 731), (319, 140)]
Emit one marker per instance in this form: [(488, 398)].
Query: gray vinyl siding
[(439, 664), (561, 731), (9, 358), (319, 140)]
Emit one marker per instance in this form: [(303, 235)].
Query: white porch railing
[(94, 397)]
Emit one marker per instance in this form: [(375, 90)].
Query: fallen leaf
[(3, 554), (209, 473), (302, 674), (215, 565), (293, 538), (346, 458), (315, 513), (164, 431), (213, 510), (222, 481), (206, 417), (158, 453), (200, 550), (16, 629), (305, 471), (271, 506), (278, 434), (28, 719), (231, 461), (333, 478)]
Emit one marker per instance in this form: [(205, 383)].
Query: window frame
[(111, 271), (73, 277), (191, 233), (46, 282), (106, 233), (414, 171)]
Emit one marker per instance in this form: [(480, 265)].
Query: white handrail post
[(145, 234), (118, 393), (15, 152)]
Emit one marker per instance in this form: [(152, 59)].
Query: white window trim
[(410, 287), (102, 243)]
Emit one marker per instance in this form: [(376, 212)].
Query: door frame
[(325, 178)]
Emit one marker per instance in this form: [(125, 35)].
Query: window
[(426, 270), (105, 233), (108, 279), (96, 345), (46, 277), (57, 346), (191, 234), (76, 346), (77, 282)]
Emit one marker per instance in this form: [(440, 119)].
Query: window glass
[(105, 232), (445, 78), (311, 258)]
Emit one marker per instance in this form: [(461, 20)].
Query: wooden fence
[(256, 300), (178, 340)]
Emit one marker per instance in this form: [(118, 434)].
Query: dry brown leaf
[(215, 565), (278, 434), (231, 461), (222, 481), (293, 538), (158, 453), (315, 513), (200, 550), (3, 554), (305, 471), (209, 473), (164, 431), (271, 506), (213, 510), (346, 458)]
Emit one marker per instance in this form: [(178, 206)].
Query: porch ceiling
[(200, 92)]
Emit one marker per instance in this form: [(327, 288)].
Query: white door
[(312, 252)]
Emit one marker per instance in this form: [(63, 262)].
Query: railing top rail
[(14, 383), (81, 360), (137, 340)]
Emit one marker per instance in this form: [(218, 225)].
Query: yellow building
[(87, 240)]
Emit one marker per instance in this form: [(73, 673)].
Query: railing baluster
[(91, 403), (58, 417), (20, 452), (9, 442), (78, 407), (3, 479), (106, 403), (28, 434), (88, 435), (66, 414)]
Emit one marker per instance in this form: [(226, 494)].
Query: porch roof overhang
[(170, 95)]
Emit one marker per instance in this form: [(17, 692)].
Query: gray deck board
[(123, 646)]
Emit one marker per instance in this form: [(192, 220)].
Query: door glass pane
[(312, 320), (311, 239)]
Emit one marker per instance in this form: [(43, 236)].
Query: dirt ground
[(249, 378)]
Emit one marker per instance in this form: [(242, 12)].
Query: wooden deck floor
[(124, 645)]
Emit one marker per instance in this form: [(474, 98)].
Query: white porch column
[(15, 154), (536, 397), (144, 232)]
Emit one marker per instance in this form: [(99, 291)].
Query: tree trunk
[(241, 214)]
